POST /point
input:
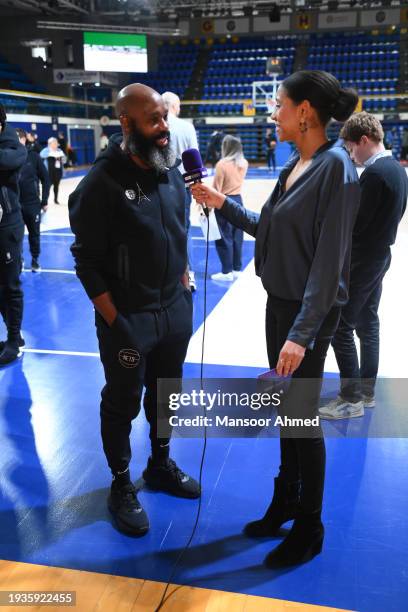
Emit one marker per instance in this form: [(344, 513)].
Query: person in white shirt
[(182, 136), (54, 160)]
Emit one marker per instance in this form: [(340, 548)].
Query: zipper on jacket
[(123, 265), (167, 250), (7, 205)]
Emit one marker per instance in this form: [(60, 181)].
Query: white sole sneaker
[(343, 410), (219, 276), (369, 402)]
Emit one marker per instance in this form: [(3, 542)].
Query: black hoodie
[(129, 227), (12, 157), (32, 173)]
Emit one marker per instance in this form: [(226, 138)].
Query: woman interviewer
[(302, 254)]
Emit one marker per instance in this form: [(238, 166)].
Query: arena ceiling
[(165, 10)]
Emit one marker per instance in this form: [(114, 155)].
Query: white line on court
[(51, 270), (51, 352), (69, 234)]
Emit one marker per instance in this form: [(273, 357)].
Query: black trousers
[(360, 314), (302, 458), (162, 342), (32, 220), (11, 294), (229, 247), (55, 178)]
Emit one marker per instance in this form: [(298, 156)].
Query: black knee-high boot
[(305, 539), (283, 507)]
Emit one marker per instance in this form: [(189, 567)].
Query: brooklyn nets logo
[(129, 358)]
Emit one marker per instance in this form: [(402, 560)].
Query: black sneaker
[(21, 342), (35, 266), (127, 510), (169, 478), (10, 353)]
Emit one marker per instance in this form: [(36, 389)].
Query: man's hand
[(290, 358), (204, 194), (106, 308), (185, 280)]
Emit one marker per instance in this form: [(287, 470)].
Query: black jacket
[(32, 173), (129, 227), (304, 235), (12, 157)]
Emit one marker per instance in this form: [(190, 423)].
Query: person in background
[(72, 156), (33, 143), (104, 141), (404, 145), (182, 136), (62, 142), (384, 191), (302, 254), (32, 174), (230, 173), (271, 143), (54, 159), (12, 157), (213, 153)]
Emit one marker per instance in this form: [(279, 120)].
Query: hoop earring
[(303, 126)]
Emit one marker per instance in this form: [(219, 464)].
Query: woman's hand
[(290, 358), (204, 194)]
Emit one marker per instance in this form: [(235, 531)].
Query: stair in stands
[(195, 87)]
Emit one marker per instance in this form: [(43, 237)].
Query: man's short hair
[(170, 98), (21, 133), (362, 124), (52, 139)]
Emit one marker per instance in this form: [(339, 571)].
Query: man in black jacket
[(32, 174), (130, 250), (384, 191), (12, 157)]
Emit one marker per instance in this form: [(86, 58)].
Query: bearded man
[(130, 252)]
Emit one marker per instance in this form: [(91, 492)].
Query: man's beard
[(159, 158)]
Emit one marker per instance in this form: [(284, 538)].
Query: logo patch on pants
[(129, 358)]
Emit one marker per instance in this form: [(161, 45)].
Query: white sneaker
[(192, 281), (340, 409), (369, 401), (236, 273), (219, 276)]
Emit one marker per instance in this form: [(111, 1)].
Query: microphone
[(195, 170)]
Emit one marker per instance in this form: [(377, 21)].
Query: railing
[(23, 102)]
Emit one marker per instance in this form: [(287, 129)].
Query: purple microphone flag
[(193, 164)]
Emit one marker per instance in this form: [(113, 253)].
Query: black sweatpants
[(302, 458), (32, 220), (11, 294), (162, 340)]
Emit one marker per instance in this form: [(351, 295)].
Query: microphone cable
[(182, 553)]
